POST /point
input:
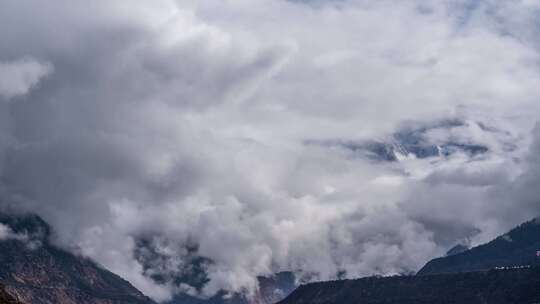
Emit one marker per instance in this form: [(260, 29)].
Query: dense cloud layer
[(185, 123)]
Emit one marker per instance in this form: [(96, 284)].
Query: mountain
[(515, 286), (271, 290), (412, 141), (459, 248), (503, 271), (515, 248), (35, 271), (6, 298), (188, 268)]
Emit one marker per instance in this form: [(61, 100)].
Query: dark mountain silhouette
[(459, 248), (515, 286), (515, 248), (34, 271), (503, 271)]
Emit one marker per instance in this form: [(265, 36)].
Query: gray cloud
[(18, 77), (6, 233), (185, 122)]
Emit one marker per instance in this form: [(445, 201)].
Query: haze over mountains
[(32, 270), (424, 140), (501, 271)]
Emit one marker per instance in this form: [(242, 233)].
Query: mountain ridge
[(517, 247), (503, 271), (35, 271), (494, 287)]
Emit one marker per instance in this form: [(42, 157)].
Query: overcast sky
[(186, 122)]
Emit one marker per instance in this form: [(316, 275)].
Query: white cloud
[(5, 232)]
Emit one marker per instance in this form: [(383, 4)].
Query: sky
[(191, 124)]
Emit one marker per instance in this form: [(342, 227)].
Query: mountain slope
[(460, 277), (515, 248), (34, 271), (6, 298), (493, 287)]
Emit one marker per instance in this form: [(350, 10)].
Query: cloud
[(185, 122), (5, 232), (520, 194), (20, 76), (31, 240)]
